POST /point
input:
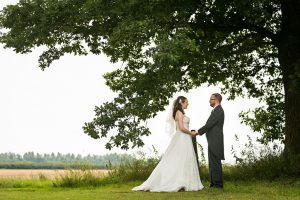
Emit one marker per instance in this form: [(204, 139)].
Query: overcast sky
[(44, 111)]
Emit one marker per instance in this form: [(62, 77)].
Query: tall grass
[(252, 163), (262, 162), (131, 169), (84, 177), (136, 169)]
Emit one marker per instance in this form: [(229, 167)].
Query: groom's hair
[(218, 96)]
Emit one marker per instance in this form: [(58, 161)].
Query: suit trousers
[(215, 170)]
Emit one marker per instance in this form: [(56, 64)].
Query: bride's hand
[(193, 133)]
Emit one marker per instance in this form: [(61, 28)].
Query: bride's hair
[(177, 105)]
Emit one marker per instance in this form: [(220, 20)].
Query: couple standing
[(178, 169)]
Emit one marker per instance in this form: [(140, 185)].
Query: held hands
[(194, 133)]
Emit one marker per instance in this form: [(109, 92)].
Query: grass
[(81, 178), (266, 177), (83, 185), (25, 183), (280, 189)]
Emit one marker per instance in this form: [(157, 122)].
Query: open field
[(233, 190), (37, 173), (30, 185)]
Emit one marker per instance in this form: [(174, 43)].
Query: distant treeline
[(31, 160)]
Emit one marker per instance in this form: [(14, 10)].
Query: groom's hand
[(198, 133), (194, 133)]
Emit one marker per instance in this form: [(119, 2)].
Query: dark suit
[(214, 135)]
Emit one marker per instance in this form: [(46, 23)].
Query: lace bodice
[(186, 122)]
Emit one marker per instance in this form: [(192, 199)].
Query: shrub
[(262, 162)]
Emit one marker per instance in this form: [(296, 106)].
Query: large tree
[(251, 47)]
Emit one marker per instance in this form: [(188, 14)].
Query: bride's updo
[(177, 105)]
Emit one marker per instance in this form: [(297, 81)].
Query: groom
[(214, 135)]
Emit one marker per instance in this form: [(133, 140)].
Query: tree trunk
[(289, 58)]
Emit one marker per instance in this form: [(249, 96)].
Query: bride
[(178, 169)]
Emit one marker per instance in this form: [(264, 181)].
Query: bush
[(262, 162)]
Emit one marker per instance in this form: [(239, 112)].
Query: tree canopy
[(251, 47)]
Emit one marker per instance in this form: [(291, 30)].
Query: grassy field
[(37, 190), (42, 185)]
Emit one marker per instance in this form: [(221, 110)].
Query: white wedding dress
[(178, 167)]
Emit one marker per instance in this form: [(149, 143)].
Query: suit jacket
[(214, 132)]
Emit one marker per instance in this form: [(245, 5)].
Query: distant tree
[(31, 160), (39, 158), (29, 156), (251, 47)]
